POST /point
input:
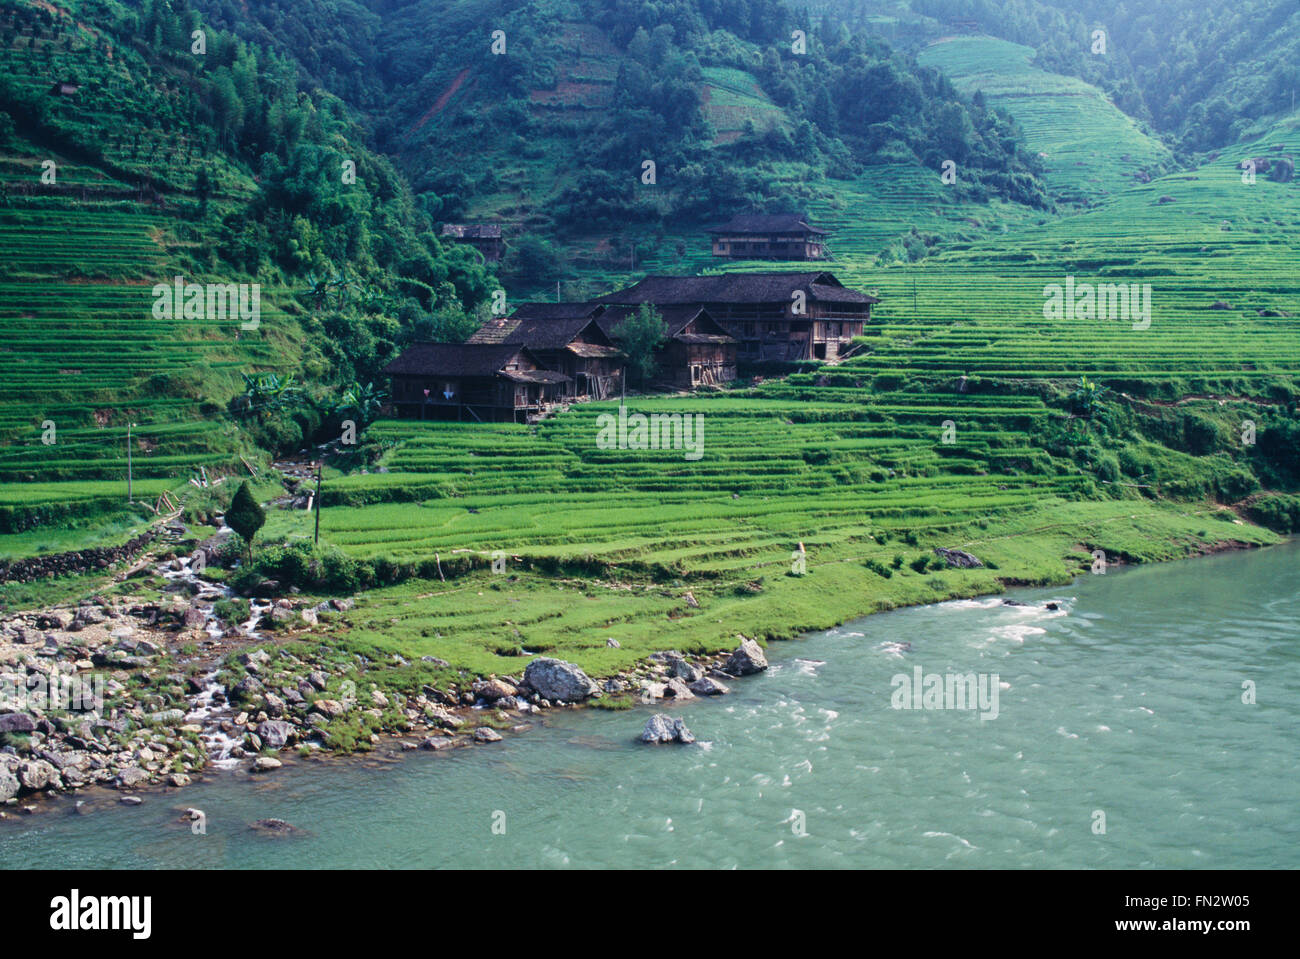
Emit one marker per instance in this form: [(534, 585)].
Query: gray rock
[(131, 777), (679, 668), (275, 733), (665, 729), (708, 686), (263, 764), (959, 558), (493, 689), (746, 659), (37, 775), (274, 827), (678, 690), (486, 734), (16, 723), (555, 679), (8, 784), (246, 689), (612, 643)]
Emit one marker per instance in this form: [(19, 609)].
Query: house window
[(695, 375)]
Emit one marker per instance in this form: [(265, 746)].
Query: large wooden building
[(566, 339), (769, 236), (487, 382), (697, 352), (773, 316)]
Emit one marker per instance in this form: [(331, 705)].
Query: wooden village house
[(487, 382), (564, 337), (484, 237), (773, 316), (767, 236), (697, 352)]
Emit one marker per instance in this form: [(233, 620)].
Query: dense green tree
[(639, 337), (245, 516)]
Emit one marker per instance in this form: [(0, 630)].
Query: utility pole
[(128, 462), (557, 292), (913, 296), (316, 540)]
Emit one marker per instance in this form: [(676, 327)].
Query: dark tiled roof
[(676, 319), (768, 223), (495, 330), (541, 333), (735, 288), (472, 231), (455, 359), (555, 311), (548, 334)]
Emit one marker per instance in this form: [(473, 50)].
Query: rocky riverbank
[(137, 694)]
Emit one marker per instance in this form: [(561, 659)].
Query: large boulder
[(16, 723), (275, 733), (130, 777), (555, 679), (679, 668), (678, 690), (746, 659), (665, 729), (708, 686), (37, 775), (8, 784)]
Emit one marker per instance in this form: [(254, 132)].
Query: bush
[(1279, 513), (879, 568)]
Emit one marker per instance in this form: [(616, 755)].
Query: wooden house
[(564, 338), (767, 236), (698, 352), (64, 88), (772, 316), (484, 237), (487, 382)]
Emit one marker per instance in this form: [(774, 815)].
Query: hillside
[(564, 116), (157, 162), (968, 418)]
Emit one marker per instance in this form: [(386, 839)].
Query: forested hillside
[(177, 149), (736, 111), (1202, 75)]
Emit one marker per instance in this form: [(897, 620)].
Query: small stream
[(209, 706)]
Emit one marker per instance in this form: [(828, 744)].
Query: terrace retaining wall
[(79, 561)]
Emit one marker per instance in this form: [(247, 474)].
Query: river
[(1125, 701)]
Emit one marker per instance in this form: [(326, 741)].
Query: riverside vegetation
[(453, 555)]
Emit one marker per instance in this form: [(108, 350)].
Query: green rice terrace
[(966, 419)]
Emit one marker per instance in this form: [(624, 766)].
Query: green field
[(952, 426)]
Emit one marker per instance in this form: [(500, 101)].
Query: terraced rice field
[(607, 542), (1089, 146), (731, 99)]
